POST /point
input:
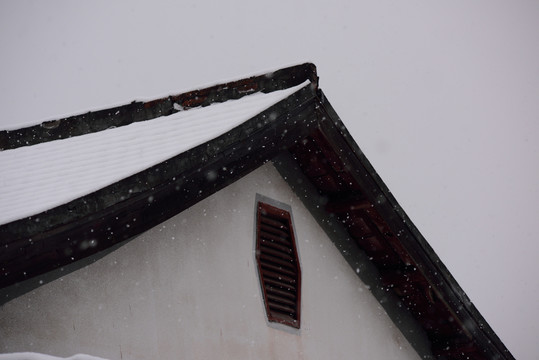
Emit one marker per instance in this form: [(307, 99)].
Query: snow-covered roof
[(42, 176), (39, 356)]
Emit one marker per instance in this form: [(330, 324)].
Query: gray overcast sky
[(442, 97)]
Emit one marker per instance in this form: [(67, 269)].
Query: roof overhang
[(303, 128)]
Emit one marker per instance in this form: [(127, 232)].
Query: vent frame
[(278, 264)]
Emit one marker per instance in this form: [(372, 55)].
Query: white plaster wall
[(188, 289)]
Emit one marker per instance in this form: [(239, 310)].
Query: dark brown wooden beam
[(95, 121)]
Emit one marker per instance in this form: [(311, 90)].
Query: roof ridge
[(95, 121)]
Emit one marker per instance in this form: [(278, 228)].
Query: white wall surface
[(189, 289)]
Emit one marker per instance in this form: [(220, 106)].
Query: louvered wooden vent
[(278, 265)]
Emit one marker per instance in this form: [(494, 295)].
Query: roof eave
[(411, 241)]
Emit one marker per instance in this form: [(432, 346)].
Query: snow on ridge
[(40, 177), (37, 356)]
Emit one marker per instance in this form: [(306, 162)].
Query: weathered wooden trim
[(430, 267), (95, 121)]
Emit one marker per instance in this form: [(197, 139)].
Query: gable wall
[(189, 289)]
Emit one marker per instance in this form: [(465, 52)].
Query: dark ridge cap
[(100, 120)]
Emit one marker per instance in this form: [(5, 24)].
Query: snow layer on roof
[(37, 356), (37, 178)]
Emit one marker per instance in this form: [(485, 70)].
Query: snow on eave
[(38, 356)]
